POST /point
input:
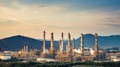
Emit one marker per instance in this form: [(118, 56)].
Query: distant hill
[(17, 42), (103, 41)]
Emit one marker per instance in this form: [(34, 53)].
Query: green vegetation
[(13, 59), (85, 66), (59, 64)]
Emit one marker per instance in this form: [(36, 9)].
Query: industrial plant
[(63, 54)]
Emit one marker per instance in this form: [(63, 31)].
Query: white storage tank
[(5, 57)]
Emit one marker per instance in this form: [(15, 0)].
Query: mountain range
[(17, 42)]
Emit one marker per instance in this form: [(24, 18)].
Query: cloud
[(113, 20), (29, 19), (113, 25), (8, 22)]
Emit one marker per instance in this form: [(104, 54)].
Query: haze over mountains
[(17, 42)]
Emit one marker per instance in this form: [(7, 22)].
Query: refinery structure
[(61, 55), (70, 53)]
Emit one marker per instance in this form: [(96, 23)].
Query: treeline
[(32, 64), (58, 64), (13, 59)]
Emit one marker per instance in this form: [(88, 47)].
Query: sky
[(31, 17)]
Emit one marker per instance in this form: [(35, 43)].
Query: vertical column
[(51, 44), (73, 46), (82, 44), (69, 40), (73, 43), (26, 49), (96, 48), (44, 49), (96, 39), (62, 42), (52, 40), (60, 46)]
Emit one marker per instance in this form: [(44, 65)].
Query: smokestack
[(62, 42), (73, 43), (96, 39), (69, 39), (60, 46), (26, 49), (96, 48), (44, 49), (82, 44), (51, 45), (52, 38), (69, 44)]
